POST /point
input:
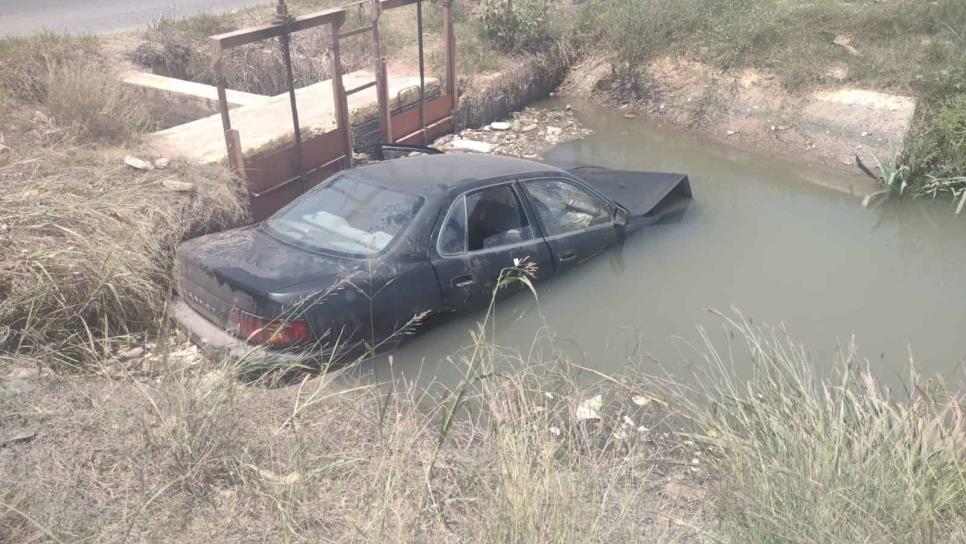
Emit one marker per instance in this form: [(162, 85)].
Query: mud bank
[(828, 126)]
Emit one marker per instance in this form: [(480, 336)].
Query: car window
[(563, 207), (347, 216), (452, 238), (484, 219)]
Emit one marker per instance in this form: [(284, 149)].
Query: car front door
[(485, 231), (577, 223)]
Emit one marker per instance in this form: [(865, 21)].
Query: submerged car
[(354, 260)]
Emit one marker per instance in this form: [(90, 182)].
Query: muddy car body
[(353, 261)]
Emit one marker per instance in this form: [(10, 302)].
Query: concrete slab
[(170, 87), (262, 124), (875, 123)]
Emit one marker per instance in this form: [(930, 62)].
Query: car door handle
[(568, 256), (463, 281)]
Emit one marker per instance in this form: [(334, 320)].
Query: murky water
[(758, 237)]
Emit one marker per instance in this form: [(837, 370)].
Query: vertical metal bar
[(235, 155), (338, 93), (285, 41), (422, 71), (382, 90), (217, 68), (450, 40)]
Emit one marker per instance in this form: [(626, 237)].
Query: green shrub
[(935, 153), (516, 25)]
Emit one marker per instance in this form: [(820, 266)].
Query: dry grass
[(87, 245), (85, 241), (189, 452), (178, 448), (67, 78)]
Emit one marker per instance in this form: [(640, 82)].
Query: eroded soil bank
[(829, 125)]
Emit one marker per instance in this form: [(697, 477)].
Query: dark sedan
[(356, 260)]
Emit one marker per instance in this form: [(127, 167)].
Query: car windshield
[(347, 216)]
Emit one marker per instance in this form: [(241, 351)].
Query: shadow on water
[(760, 236)]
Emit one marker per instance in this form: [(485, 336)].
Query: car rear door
[(578, 223), (485, 231)]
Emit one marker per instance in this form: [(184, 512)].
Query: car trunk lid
[(245, 269)]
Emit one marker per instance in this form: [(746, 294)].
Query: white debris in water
[(471, 145)]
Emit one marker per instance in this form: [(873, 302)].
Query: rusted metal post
[(283, 18), (338, 92), (382, 87), (230, 143), (450, 41), (422, 71), (236, 158)]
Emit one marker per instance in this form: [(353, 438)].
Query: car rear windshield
[(347, 216)]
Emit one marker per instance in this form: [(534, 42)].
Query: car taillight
[(258, 330)]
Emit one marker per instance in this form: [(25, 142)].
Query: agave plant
[(893, 176)]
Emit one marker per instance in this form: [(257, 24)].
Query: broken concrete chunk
[(590, 408), (162, 163), (501, 125), (177, 186), (138, 164), (471, 145)]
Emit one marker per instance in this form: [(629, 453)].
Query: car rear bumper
[(217, 344)]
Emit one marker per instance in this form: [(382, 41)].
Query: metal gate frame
[(277, 177)]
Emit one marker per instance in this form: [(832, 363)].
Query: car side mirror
[(620, 217)]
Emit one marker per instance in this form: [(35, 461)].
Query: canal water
[(760, 237)]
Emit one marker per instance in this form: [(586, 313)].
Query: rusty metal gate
[(275, 178)]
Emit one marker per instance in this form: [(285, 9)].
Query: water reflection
[(759, 237)]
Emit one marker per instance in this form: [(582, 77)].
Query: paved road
[(19, 17)]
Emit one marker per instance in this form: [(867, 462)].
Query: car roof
[(425, 174)]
